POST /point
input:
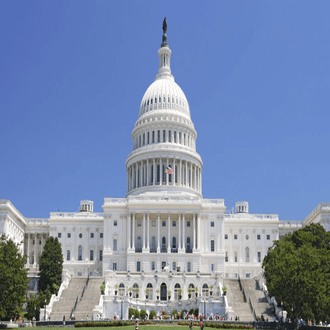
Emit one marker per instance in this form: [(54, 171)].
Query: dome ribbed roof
[(164, 94)]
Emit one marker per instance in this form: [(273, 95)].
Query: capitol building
[(162, 247)]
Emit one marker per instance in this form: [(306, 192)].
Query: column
[(88, 235), (179, 240), (154, 174), (144, 232), (190, 176), (42, 242), (167, 175), (169, 233), (127, 180), (158, 240), (186, 173), (128, 216), (148, 170), (148, 231), (201, 181), (141, 171), (160, 171), (35, 251), (198, 232), (184, 232), (136, 175), (174, 171), (28, 250), (195, 177), (133, 238), (97, 256), (74, 249), (194, 232), (180, 173)]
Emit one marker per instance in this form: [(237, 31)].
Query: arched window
[(153, 244), (144, 139), (169, 136), (163, 244), (205, 290), (164, 135), (158, 136), (247, 254), (153, 136), (180, 137), (140, 141), (176, 174), (174, 136), (138, 245), (80, 252), (121, 289), (148, 138), (135, 290), (152, 173), (150, 291), (188, 246), (174, 243), (177, 293)]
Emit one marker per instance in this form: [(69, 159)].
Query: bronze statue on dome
[(164, 26)]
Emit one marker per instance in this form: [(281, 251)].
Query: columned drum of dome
[(164, 157)]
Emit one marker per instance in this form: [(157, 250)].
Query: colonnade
[(152, 171), (176, 227), (151, 136), (32, 242)]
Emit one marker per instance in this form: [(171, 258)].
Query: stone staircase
[(90, 299), (258, 299), (235, 300), (64, 305)]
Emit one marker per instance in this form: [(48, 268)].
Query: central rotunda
[(164, 158)]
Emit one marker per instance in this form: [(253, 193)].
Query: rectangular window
[(91, 255), (92, 235), (258, 236), (114, 266), (174, 266), (115, 223), (153, 265), (163, 264), (101, 235), (115, 244), (59, 235), (226, 257), (163, 223), (247, 275), (212, 223), (212, 245), (69, 235), (235, 236), (101, 255), (259, 256), (188, 266), (188, 223), (138, 266), (173, 223), (68, 255), (226, 236), (139, 223), (212, 267), (153, 223), (268, 237), (235, 256)]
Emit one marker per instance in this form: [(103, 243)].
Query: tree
[(297, 272), (152, 314), (50, 266), (13, 279)]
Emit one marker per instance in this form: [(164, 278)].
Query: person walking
[(137, 325)]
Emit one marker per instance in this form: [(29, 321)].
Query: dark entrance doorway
[(163, 292)]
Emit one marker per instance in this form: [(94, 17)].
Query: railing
[(242, 289), (253, 310), (138, 250), (85, 286), (74, 307), (154, 250)]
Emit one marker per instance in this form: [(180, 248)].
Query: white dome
[(164, 94)]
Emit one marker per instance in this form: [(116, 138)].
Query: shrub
[(136, 313), (152, 314), (130, 312), (143, 314)]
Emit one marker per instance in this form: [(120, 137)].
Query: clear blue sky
[(256, 75)]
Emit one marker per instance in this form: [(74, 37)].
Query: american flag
[(169, 170)]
